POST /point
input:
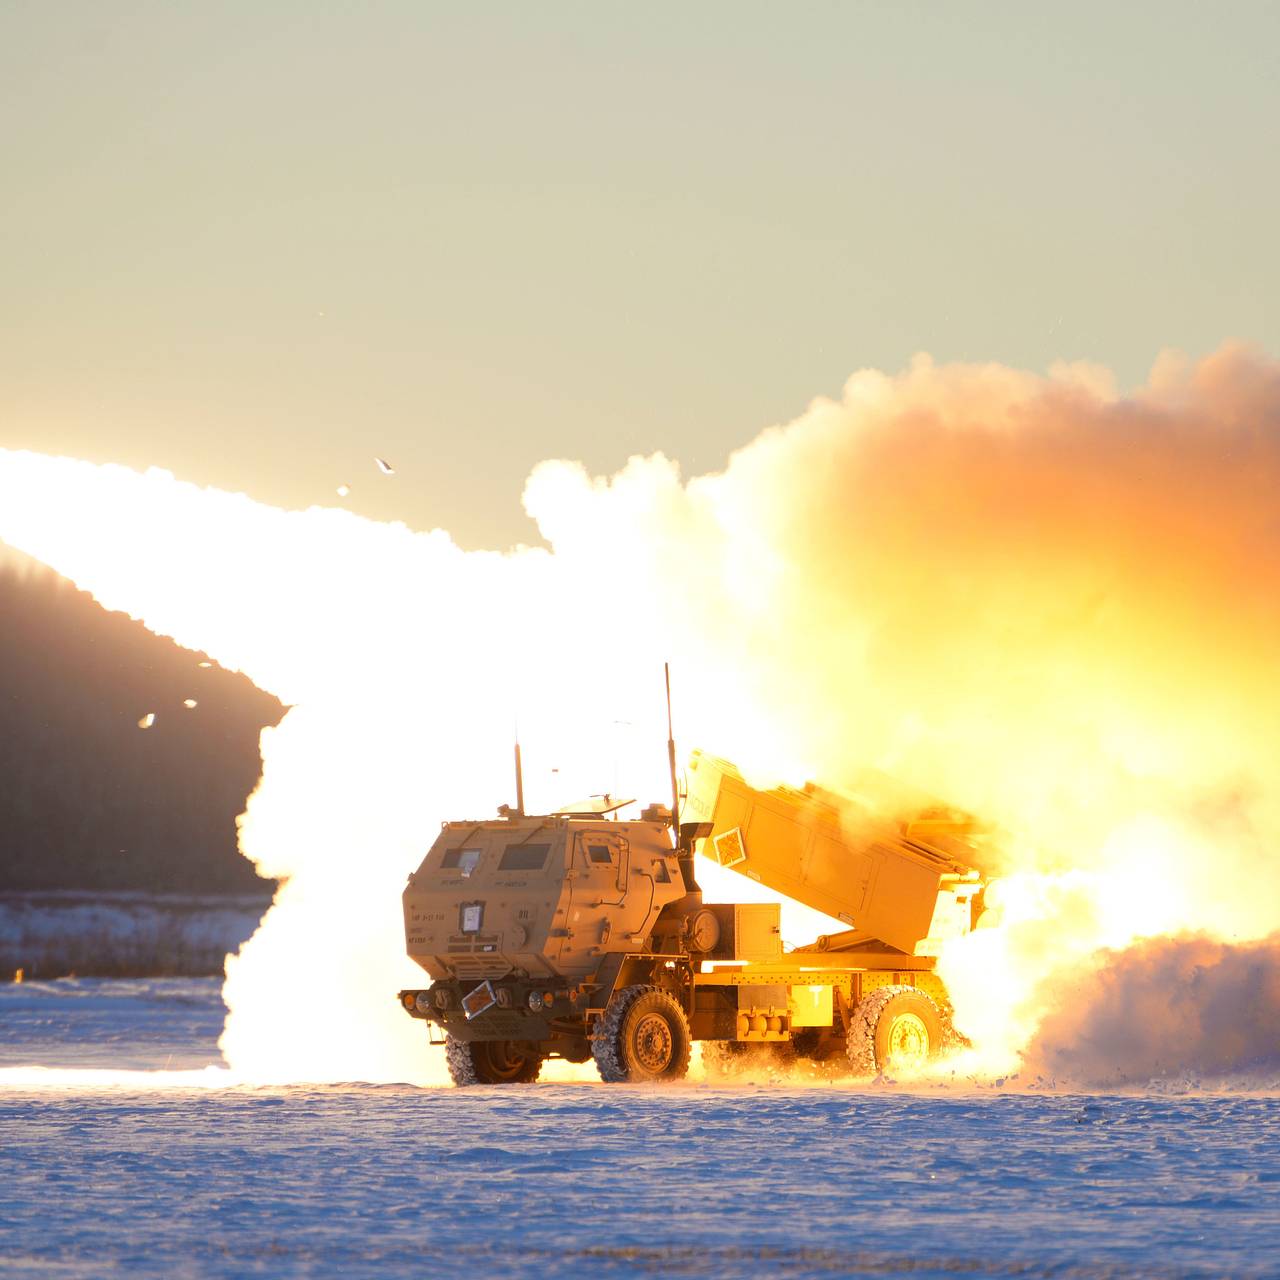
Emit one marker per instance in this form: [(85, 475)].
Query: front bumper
[(509, 1017)]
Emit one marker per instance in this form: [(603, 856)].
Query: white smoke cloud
[(1045, 602)]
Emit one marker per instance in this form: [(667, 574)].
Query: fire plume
[(1046, 602)]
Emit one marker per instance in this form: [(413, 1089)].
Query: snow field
[(589, 1179)]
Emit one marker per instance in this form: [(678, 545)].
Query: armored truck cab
[(520, 921)]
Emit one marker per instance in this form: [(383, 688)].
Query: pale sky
[(260, 242)]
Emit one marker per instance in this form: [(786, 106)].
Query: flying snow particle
[(190, 703), (204, 664), (343, 490), (147, 721), (385, 467)]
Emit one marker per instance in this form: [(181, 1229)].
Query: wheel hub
[(504, 1061), (653, 1042), (908, 1041)]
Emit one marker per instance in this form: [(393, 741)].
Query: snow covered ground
[(590, 1180)]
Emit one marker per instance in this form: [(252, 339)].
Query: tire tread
[(606, 1042), (860, 1045)]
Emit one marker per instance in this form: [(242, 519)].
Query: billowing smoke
[(1190, 1009), (1048, 603)]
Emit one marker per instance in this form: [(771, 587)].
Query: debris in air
[(190, 703), (147, 721), (343, 490), (385, 467)]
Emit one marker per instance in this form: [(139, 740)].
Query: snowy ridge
[(50, 935)]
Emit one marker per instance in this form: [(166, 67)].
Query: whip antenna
[(519, 778), (671, 757)]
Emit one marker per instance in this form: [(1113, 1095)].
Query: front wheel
[(894, 1028), (492, 1061), (643, 1036)]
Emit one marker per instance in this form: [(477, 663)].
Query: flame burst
[(1045, 602)]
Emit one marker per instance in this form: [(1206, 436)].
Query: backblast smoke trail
[(1048, 603), (1184, 1007)]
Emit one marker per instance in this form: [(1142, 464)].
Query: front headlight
[(535, 1001), (423, 1002)]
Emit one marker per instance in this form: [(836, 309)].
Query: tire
[(491, 1061), (731, 1059), (642, 1038), (722, 1059), (817, 1045), (894, 1028)]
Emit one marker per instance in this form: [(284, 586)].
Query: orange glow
[(1051, 605)]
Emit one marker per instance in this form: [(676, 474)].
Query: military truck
[(580, 935)]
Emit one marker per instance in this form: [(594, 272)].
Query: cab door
[(599, 884)]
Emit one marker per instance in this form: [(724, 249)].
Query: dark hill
[(88, 800)]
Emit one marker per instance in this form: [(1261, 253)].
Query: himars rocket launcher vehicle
[(577, 934)]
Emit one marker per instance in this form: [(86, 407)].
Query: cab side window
[(463, 860)]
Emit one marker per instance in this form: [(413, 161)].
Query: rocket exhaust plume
[(1045, 602)]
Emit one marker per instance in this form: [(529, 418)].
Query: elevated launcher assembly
[(894, 882), (582, 935)]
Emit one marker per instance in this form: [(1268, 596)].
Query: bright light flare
[(1043, 602)]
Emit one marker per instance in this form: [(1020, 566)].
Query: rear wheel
[(492, 1061), (643, 1036), (894, 1029), (729, 1059)]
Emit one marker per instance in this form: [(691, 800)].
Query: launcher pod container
[(581, 935)]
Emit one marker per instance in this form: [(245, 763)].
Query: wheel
[(817, 1045), (729, 1059), (894, 1028), (819, 1053), (722, 1059), (642, 1036), (492, 1061)]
